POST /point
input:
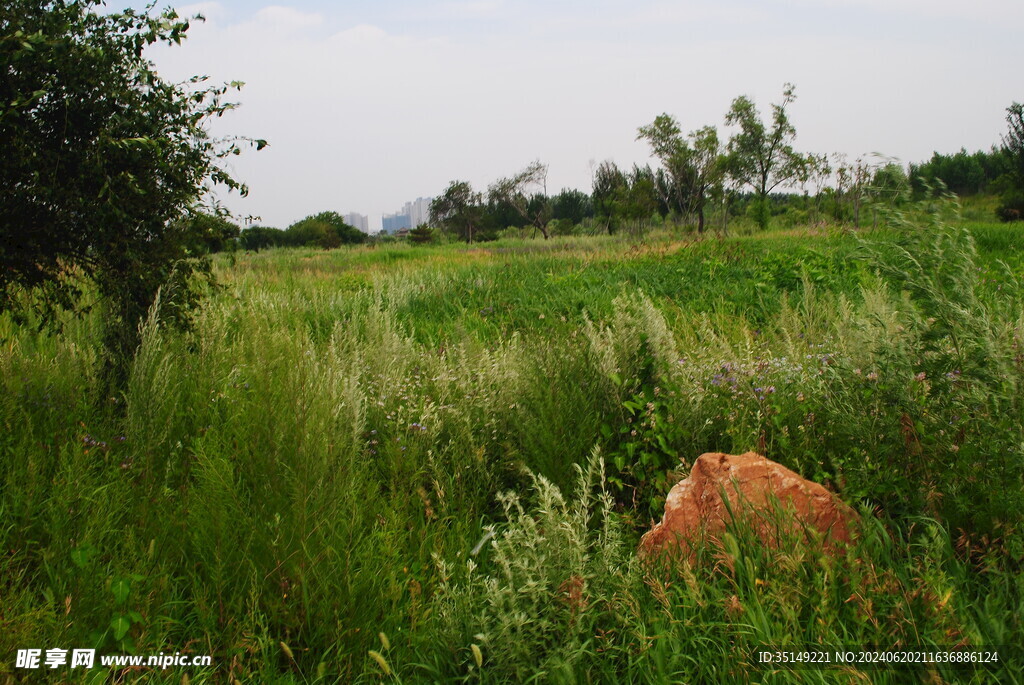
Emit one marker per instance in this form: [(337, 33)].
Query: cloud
[(367, 109), (471, 8), (287, 17), (982, 11)]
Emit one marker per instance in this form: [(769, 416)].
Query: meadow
[(401, 463)]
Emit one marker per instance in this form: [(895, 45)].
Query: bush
[(1011, 208)]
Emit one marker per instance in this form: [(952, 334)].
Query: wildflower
[(873, 376), (920, 377)]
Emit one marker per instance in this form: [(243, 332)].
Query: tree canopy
[(693, 171), (762, 157), (102, 159), (458, 209)]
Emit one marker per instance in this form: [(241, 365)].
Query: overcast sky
[(369, 103)]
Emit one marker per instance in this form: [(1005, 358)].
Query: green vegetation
[(299, 485), (429, 462), (104, 165)]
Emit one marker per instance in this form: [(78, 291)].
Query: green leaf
[(121, 625), (82, 555), (120, 588)]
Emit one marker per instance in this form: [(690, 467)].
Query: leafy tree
[(853, 181), (695, 171), (639, 201), (668, 145), (571, 205), (421, 235), (890, 183), (326, 229), (260, 237), (102, 161), (762, 157), (963, 173), (210, 232), (514, 190), (609, 184), (458, 209), (1012, 206), (1013, 141)]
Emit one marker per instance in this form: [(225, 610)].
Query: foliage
[(760, 157), (963, 173), (421, 235), (326, 230), (571, 205), (533, 208), (458, 209), (261, 237), (694, 172), (424, 382), (1012, 207), (209, 232), (609, 183), (957, 367), (102, 160)]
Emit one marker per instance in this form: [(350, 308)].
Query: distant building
[(411, 215), (418, 211), (360, 221), (392, 223)]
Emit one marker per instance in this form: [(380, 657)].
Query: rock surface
[(695, 507)]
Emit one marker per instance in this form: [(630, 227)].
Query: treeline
[(324, 230), (756, 174), (964, 173)]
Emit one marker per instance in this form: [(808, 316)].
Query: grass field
[(297, 488)]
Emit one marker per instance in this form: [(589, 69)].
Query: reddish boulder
[(695, 506)]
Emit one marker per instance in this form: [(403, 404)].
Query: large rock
[(695, 507)]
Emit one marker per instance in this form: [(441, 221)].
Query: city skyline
[(363, 102)]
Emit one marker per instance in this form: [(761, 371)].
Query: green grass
[(313, 464)]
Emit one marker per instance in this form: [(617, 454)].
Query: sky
[(369, 104)]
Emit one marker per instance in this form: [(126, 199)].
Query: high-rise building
[(411, 215), (390, 223), (418, 211), (360, 221)]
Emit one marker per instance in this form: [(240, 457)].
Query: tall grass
[(315, 463)]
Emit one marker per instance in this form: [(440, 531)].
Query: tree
[(694, 171), (608, 186), (458, 209), (102, 161), (571, 205), (210, 232), (1012, 206), (760, 157), (667, 143), (515, 190), (257, 238), (1013, 141), (421, 235), (326, 229)]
